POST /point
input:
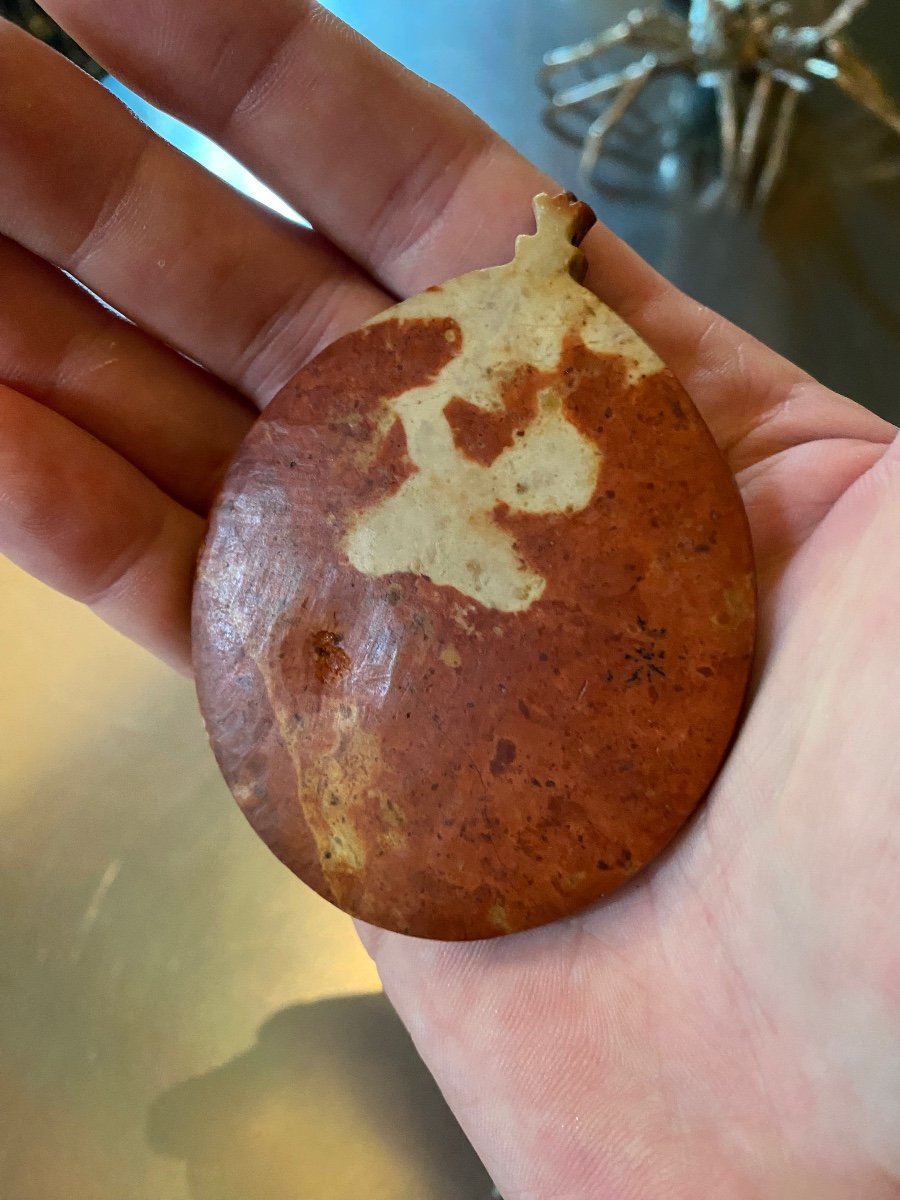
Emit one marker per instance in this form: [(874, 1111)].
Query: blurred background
[(179, 1018)]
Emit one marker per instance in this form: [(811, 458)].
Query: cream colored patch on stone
[(393, 833), (739, 600), (499, 918), (245, 794), (391, 812), (343, 849), (462, 618), (440, 523), (394, 839), (613, 336), (450, 657), (329, 787)]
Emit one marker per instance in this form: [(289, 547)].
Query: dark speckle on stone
[(504, 756)]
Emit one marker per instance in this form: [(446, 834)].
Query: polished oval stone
[(475, 614)]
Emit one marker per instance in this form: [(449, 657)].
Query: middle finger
[(85, 185)]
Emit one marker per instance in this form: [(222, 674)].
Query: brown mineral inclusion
[(475, 616)]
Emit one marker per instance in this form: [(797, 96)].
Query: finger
[(416, 188), (76, 515), (394, 170), (172, 421), (85, 185)]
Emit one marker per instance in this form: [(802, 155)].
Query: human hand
[(730, 1025)]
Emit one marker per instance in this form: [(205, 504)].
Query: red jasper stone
[(468, 758)]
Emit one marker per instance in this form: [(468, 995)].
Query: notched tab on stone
[(562, 223)]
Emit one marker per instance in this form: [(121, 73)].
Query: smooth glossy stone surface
[(475, 616)]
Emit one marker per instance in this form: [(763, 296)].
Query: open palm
[(730, 1025)]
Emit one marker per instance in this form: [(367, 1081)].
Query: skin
[(729, 1026)]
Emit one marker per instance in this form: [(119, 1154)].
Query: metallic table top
[(179, 1018)]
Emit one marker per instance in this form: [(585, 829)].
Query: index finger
[(385, 164), (411, 184)]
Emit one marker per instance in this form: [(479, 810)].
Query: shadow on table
[(331, 1103)]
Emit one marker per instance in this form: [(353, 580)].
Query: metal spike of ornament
[(475, 615)]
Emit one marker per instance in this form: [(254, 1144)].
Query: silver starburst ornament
[(739, 48)]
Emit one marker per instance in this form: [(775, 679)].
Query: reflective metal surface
[(180, 1019)]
